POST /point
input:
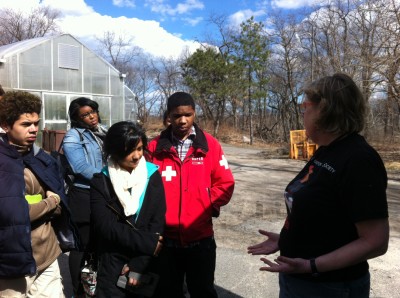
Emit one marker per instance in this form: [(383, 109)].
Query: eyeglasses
[(304, 104), (87, 115)]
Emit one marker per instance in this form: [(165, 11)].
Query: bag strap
[(107, 191), (62, 142)]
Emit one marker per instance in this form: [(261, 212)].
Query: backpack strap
[(62, 142)]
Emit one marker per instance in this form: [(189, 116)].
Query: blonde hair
[(342, 105)]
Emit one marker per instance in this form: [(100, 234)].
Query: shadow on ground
[(63, 262), (222, 293)]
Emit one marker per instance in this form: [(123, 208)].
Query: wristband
[(314, 270)]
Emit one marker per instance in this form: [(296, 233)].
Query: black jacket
[(116, 242)]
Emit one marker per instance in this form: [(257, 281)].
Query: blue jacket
[(16, 257), (85, 157)]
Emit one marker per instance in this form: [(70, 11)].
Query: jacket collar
[(165, 140), (6, 149)]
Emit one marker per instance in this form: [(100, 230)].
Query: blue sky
[(160, 27), (188, 18), (185, 19)]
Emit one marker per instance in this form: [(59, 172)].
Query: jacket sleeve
[(155, 196), (45, 207), (108, 227), (74, 150), (222, 181)]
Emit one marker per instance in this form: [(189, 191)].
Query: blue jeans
[(292, 287)]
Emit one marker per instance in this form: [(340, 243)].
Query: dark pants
[(79, 199), (195, 262), (292, 287)]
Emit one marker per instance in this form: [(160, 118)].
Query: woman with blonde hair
[(337, 212)]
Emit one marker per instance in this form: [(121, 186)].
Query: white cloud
[(68, 8), (20, 5), (145, 34), (81, 21), (193, 21), (124, 3), (293, 4), (159, 6), (239, 17), (189, 5)]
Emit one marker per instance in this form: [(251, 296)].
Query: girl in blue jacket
[(82, 145)]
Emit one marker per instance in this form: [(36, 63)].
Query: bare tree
[(141, 80), (16, 25), (168, 78), (130, 60), (288, 73), (390, 67), (118, 50)]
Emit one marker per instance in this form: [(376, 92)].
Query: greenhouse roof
[(21, 46), (24, 45)]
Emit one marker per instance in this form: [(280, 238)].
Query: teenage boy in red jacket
[(197, 182)]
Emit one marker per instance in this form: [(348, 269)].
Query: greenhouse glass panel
[(35, 68), (117, 83), (104, 109), (6, 72), (95, 74), (14, 73), (130, 105), (68, 80), (55, 111), (99, 83), (117, 103)]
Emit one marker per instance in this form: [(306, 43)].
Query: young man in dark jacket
[(197, 182), (31, 200)]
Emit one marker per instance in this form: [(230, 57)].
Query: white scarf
[(123, 181)]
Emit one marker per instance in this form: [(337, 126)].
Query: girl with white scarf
[(128, 210)]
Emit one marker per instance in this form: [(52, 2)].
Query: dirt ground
[(261, 175)]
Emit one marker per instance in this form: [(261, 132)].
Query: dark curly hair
[(122, 138), (15, 103)]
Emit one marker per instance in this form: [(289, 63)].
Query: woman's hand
[(287, 265), (131, 281), (266, 247)]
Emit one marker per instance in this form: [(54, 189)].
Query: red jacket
[(195, 188)]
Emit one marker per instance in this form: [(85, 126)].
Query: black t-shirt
[(342, 184)]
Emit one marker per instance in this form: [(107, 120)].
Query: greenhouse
[(59, 69)]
